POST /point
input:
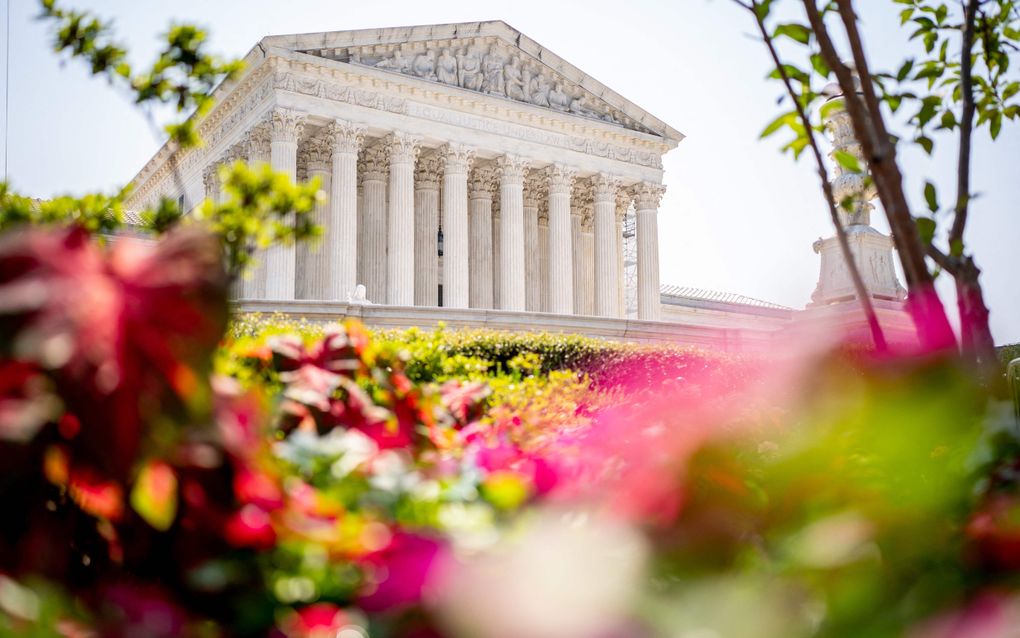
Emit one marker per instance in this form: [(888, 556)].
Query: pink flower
[(396, 575), (250, 527), (323, 620)]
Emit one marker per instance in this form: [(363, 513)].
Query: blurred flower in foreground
[(558, 575), (120, 331), (988, 616)]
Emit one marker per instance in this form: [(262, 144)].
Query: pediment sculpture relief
[(490, 68)]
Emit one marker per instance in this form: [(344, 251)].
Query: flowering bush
[(161, 479)]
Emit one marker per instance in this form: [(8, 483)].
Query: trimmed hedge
[(440, 354)]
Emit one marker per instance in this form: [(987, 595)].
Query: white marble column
[(646, 204), (511, 238), (543, 254), (314, 262), (588, 260), (456, 275), (341, 239), (532, 263), (622, 204), (578, 201), (360, 279), (373, 238), (426, 230), (403, 150), (258, 140), (497, 265), (607, 292), (480, 243), (561, 260), (287, 127)]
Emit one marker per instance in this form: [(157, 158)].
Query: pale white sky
[(737, 217)]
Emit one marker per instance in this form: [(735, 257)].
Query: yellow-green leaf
[(154, 494)]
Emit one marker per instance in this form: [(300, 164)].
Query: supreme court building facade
[(471, 176)]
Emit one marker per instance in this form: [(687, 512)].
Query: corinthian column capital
[(375, 164), (512, 169), (257, 141), (480, 182), (647, 195), (457, 158), (428, 172), (345, 137), (604, 187), (403, 148), (287, 125), (316, 154), (560, 178), (534, 189)]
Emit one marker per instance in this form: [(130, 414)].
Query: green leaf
[(847, 161), (819, 65), (931, 197), (995, 124), (154, 495), (926, 228), (905, 70), (776, 124), (797, 32)]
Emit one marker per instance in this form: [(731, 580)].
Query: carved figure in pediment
[(470, 74), (492, 66), (424, 65), (514, 77), (540, 90), (527, 74), (580, 106), (398, 62), (355, 57), (558, 98), (446, 68)]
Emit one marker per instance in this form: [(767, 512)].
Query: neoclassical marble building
[(469, 134), (471, 176)]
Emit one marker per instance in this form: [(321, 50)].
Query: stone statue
[(526, 77), (580, 106), (357, 296), (471, 76), (514, 79), (492, 66), (540, 90), (558, 99), (446, 68), (424, 65), (397, 63)]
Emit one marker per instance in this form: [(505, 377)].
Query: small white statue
[(357, 296)]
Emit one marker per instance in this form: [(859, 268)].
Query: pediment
[(487, 57)]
